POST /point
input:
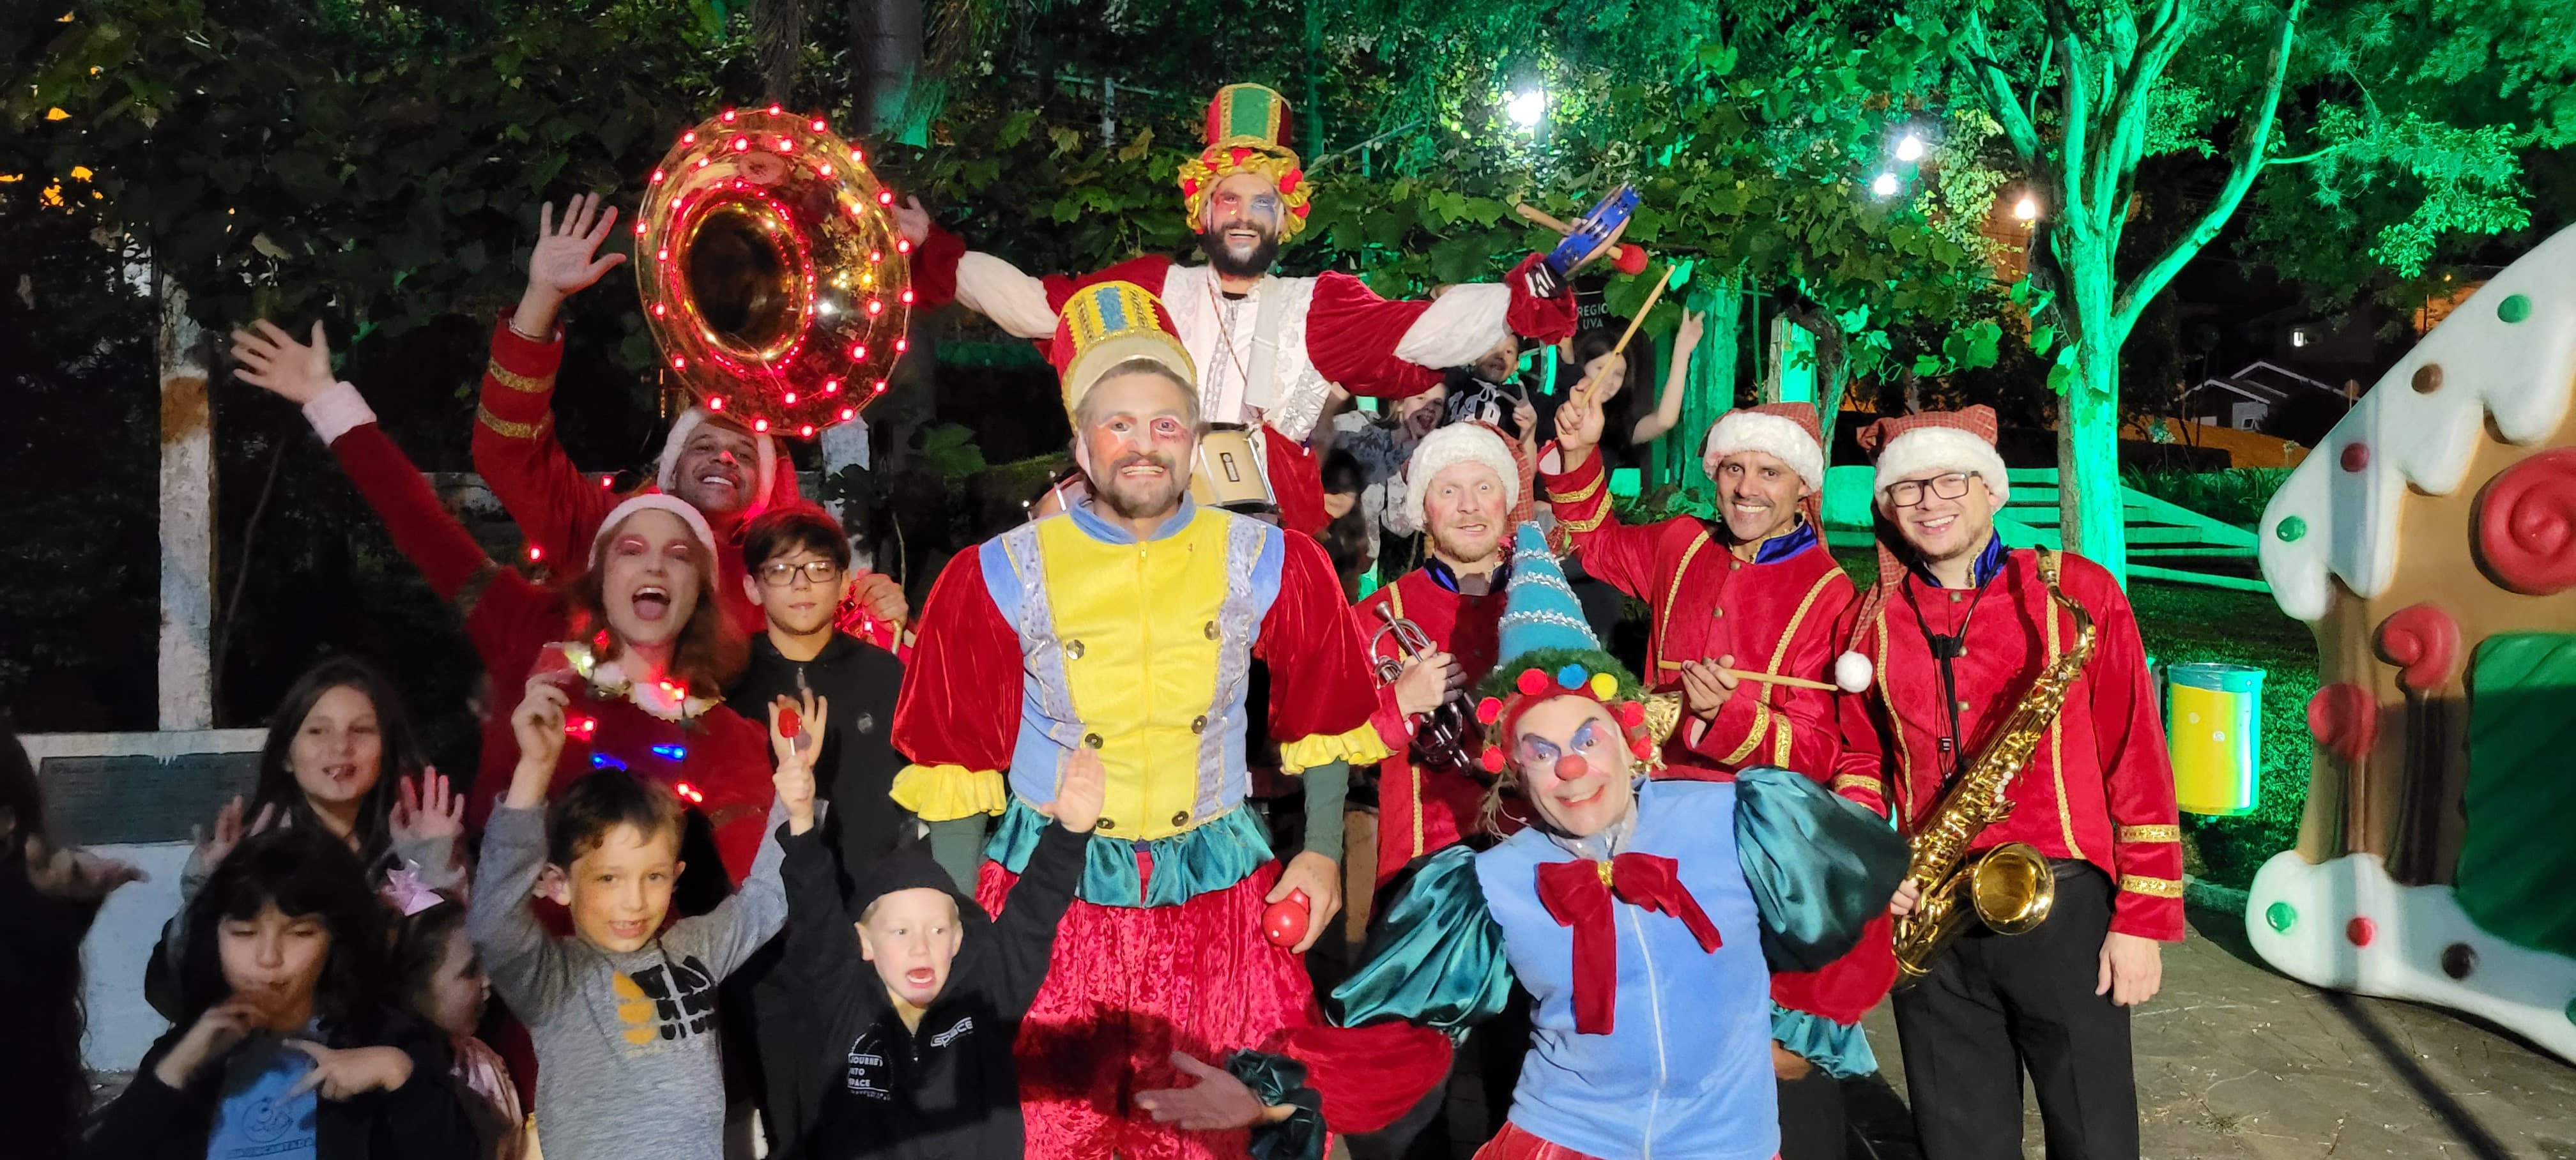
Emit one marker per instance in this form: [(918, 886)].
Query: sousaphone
[(772, 276)]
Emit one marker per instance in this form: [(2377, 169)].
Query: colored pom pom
[(1489, 710), (1605, 686), (1532, 682), (1643, 748), (1492, 760), (1632, 714), (1571, 676)]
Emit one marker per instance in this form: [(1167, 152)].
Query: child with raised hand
[(623, 1012), (285, 1045), (920, 999), (439, 978)]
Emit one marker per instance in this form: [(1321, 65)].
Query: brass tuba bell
[(772, 276)]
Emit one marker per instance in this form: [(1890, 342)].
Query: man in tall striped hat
[(1269, 348), (1753, 591), (1128, 625), (1953, 633)]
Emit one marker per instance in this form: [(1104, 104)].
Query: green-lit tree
[(2434, 97)]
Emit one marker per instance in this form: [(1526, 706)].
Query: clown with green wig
[(1644, 918)]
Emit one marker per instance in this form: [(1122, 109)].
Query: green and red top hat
[(1548, 651), (1247, 132)]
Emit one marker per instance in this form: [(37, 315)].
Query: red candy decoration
[(2356, 456), (1492, 760), (1632, 714), (1489, 710), (790, 723), (1533, 682), (2424, 642), (2344, 717), (2526, 524), (1285, 921), (2360, 931)]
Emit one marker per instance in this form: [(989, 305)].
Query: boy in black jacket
[(922, 1016)]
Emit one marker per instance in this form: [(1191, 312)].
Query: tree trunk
[(1712, 379), (186, 665), (885, 55), (2090, 511), (778, 39)]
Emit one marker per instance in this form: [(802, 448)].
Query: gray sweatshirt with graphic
[(628, 1065)]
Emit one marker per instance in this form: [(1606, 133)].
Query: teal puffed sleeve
[(1821, 866), (1434, 957)]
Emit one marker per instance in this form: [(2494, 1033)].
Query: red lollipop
[(790, 723), (1285, 922)]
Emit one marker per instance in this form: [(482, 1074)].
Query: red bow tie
[(1577, 894)]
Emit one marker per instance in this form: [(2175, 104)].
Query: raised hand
[(273, 361), (795, 737), (1686, 336), (229, 831), (1081, 790), (344, 1072), (76, 875), (538, 726), (1578, 427), (912, 221), (566, 260), (425, 811)]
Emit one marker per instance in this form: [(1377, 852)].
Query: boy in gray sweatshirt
[(622, 1014)]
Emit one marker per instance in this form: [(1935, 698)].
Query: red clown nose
[(1571, 766)]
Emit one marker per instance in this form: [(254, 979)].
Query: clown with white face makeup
[(1643, 917), (1270, 350)]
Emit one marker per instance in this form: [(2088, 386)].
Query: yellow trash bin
[(2213, 731)]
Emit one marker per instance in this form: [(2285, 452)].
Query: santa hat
[(1109, 323), (1788, 432), (655, 501), (1454, 444), (765, 476), (1547, 650), (1937, 440), (1908, 445), (1247, 132)]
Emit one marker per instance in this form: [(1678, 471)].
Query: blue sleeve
[(1821, 866), (1435, 957)]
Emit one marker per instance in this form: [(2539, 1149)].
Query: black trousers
[(1995, 1005), (1811, 1117)]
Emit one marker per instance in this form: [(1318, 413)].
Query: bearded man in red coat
[(1750, 594)]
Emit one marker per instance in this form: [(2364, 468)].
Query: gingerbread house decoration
[(2431, 544)]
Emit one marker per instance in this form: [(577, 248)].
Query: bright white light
[(1909, 149), (1885, 186), (1526, 106), (2026, 209)]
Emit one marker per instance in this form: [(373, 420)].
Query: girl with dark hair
[(48, 898), (438, 977), (636, 639), (336, 762), (284, 1045)]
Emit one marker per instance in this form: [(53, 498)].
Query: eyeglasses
[(1909, 492), (781, 574)]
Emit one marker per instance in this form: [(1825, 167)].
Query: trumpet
[(1440, 737)]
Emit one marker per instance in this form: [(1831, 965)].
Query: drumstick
[(1769, 679), (1652, 296)]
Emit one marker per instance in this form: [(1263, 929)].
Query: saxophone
[(2010, 887)]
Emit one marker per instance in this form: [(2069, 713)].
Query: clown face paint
[(1239, 229), (1574, 765)]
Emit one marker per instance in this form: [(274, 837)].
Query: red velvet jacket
[(556, 507), (1785, 616), (2099, 788), (1782, 617), (723, 758), (1423, 810)]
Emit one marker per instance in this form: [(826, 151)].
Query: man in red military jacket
[(1953, 633), (724, 470), (1753, 590)]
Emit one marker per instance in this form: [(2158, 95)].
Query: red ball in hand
[(1285, 922), (1631, 260)]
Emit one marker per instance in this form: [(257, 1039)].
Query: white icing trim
[(338, 410), (1782, 438), (1461, 325), (2411, 926), (998, 290), (2518, 372)]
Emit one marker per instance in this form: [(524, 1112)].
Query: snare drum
[(1228, 475)]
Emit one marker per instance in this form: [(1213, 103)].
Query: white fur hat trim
[(1452, 445), (1941, 448), (656, 501), (1776, 436)]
